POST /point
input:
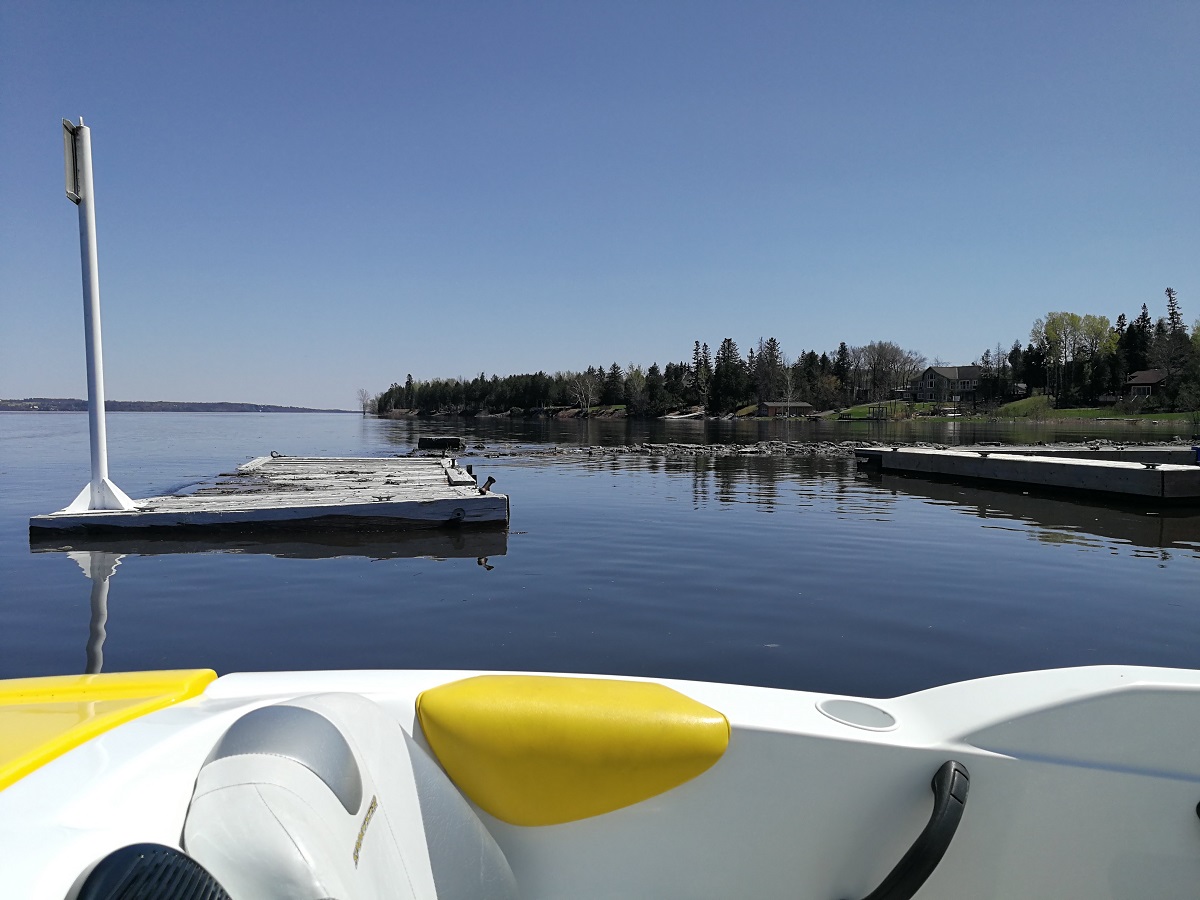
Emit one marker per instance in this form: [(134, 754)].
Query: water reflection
[(98, 557), (1058, 520), (447, 543), (773, 484), (99, 566)]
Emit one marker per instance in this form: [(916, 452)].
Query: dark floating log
[(441, 443)]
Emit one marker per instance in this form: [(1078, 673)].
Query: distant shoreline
[(71, 404)]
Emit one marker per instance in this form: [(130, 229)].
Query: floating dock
[(295, 493), (1139, 473)]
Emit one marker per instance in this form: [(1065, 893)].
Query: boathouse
[(785, 408)]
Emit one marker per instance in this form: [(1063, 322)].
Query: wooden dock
[(1141, 478), (296, 493)]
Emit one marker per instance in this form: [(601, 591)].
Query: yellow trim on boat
[(43, 718), (543, 750)]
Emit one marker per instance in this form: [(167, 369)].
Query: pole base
[(102, 495)]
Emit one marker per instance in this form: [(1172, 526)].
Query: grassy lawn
[(1030, 407), (1109, 413), (1039, 407)]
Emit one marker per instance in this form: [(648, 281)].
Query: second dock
[(1151, 474), (287, 493)]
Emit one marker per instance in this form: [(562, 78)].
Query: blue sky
[(299, 199)]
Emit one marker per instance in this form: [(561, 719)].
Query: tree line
[(1083, 360), (720, 383), (1079, 359)]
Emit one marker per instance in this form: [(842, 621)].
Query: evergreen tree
[(701, 375), (767, 370), (1015, 362), (676, 384), (1138, 337), (614, 386), (655, 391), (841, 363), (730, 381), (1171, 349), (811, 368), (1174, 316)]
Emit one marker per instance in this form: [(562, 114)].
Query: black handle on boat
[(950, 786)]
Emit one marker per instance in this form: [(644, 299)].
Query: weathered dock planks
[(281, 493), (1166, 482)]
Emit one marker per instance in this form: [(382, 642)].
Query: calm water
[(785, 572)]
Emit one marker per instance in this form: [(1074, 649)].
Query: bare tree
[(912, 364), (787, 377), (880, 367), (584, 387), (364, 400), (856, 375)]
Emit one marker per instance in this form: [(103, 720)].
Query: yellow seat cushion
[(543, 750)]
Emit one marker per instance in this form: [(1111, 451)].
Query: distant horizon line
[(76, 404)]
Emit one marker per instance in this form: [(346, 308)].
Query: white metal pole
[(101, 492), (91, 313)]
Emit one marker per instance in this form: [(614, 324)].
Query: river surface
[(789, 572)]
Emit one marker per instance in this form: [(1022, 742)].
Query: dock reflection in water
[(99, 556), (780, 484), (1058, 519)]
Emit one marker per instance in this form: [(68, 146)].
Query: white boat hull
[(1083, 784)]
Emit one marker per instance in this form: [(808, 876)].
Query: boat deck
[(280, 493)]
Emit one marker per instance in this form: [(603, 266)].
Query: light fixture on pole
[(100, 493)]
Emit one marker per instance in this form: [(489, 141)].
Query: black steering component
[(950, 786), (150, 872)]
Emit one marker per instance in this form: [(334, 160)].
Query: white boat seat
[(325, 796)]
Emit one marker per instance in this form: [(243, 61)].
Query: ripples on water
[(790, 572)]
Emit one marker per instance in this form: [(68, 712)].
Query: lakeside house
[(1143, 383), (956, 384), (772, 408)]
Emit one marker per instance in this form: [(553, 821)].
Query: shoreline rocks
[(812, 449)]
